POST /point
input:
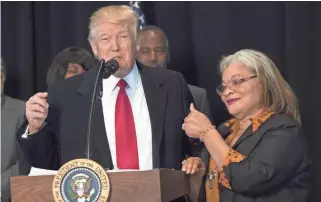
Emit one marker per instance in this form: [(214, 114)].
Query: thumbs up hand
[(195, 123)]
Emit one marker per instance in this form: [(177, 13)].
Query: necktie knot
[(122, 84)]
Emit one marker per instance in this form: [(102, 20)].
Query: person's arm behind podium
[(38, 138)]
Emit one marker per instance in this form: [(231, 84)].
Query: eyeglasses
[(233, 84)]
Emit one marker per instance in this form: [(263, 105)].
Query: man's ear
[(93, 45)]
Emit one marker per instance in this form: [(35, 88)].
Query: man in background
[(13, 162), (153, 51)]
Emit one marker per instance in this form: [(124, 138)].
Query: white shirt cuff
[(25, 135)]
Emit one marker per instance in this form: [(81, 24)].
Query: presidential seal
[(81, 180)]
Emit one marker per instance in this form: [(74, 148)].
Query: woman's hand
[(194, 165), (195, 123)]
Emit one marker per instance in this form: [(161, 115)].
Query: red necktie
[(126, 143)]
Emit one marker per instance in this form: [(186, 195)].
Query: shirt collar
[(256, 122), (132, 80)]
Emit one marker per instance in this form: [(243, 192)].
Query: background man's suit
[(12, 161), (64, 136), (201, 100)]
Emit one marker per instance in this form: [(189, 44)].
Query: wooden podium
[(160, 185)]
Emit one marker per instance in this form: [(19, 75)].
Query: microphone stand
[(105, 70), (92, 107)]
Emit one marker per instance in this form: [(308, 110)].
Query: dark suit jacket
[(64, 136), (276, 167), (201, 100)]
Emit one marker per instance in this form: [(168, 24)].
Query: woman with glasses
[(261, 153)]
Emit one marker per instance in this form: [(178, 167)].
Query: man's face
[(115, 41), (152, 50), (3, 79)]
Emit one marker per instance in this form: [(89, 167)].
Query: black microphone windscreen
[(114, 65)]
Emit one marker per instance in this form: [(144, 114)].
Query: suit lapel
[(100, 146), (247, 133), (155, 95), (227, 128), (257, 122), (101, 150)]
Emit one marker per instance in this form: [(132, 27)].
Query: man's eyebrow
[(102, 34)]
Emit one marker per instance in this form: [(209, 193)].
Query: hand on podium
[(194, 165)]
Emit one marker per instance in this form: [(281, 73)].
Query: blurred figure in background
[(69, 62), (13, 162), (153, 47), (153, 51)]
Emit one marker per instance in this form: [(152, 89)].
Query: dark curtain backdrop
[(199, 33)]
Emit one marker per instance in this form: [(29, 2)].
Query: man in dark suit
[(153, 51), (13, 162), (137, 122)]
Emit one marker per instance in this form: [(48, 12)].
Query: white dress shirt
[(136, 95), (138, 102)]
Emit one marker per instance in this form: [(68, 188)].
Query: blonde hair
[(277, 95), (113, 14)]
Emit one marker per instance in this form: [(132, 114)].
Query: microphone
[(110, 67), (105, 70)]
